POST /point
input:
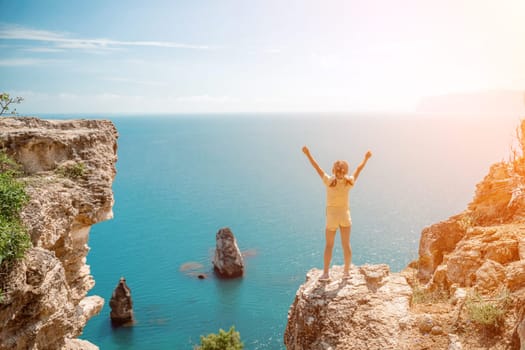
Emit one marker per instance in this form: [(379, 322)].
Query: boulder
[(515, 274), (425, 323), (228, 261), (436, 241), (490, 276), (121, 304)]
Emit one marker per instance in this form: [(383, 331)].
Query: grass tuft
[(488, 312), (72, 171)]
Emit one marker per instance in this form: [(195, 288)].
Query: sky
[(204, 56)]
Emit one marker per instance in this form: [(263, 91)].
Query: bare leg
[(347, 250), (330, 237)]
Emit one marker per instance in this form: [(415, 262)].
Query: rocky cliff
[(365, 311), (465, 291), (69, 167)]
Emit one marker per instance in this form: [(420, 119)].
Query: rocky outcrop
[(121, 305), (228, 261), (367, 311), (436, 241), (474, 259), (487, 248), (69, 168), (492, 228), (487, 253)]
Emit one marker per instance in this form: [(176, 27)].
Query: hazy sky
[(223, 55)]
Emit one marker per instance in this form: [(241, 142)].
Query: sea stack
[(228, 261), (121, 304)]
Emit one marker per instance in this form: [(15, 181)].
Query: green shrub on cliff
[(12, 196), (7, 165), (14, 240), (487, 312), (230, 340)]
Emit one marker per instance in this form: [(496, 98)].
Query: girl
[(337, 208)]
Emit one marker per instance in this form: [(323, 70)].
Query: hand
[(368, 154), (306, 151)]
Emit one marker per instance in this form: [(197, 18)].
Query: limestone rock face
[(121, 304), (228, 261), (491, 228), (370, 310), (485, 249), (69, 168), (500, 197), (436, 241)]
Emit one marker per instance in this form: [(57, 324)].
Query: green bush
[(12, 196), (14, 239), (7, 165), (230, 340)]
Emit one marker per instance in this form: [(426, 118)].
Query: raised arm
[(313, 162), (362, 165)]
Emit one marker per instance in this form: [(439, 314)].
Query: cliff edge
[(466, 290), (360, 312), (69, 167)]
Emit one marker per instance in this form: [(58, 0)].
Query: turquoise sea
[(181, 178)]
